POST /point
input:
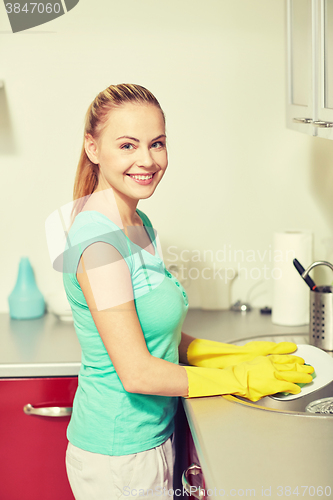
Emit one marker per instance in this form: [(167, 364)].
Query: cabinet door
[(194, 481), (32, 447), (301, 49), (325, 70)]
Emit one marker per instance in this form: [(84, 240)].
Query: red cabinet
[(32, 447), (186, 456)]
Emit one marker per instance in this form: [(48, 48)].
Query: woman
[(128, 312)]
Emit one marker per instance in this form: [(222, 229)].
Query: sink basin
[(299, 404)]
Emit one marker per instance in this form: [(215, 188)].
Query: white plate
[(323, 366)]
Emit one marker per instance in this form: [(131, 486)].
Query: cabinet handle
[(322, 124), (302, 120), (53, 411), (196, 492)]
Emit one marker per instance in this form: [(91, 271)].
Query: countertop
[(38, 347), (244, 451), (248, 450)]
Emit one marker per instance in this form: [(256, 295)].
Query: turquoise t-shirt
[(106, 419)]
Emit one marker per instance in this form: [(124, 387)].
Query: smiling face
[(131, 151)]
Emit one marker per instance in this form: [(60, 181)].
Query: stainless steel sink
[(299, 404)]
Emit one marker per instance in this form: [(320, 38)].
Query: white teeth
[(142, 177)]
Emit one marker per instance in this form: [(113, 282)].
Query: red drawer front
[(32, 448)]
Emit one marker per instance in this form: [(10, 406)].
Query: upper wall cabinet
[(310, 66)]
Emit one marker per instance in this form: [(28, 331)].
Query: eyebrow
[(137, 140)]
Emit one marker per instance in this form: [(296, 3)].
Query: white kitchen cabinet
[(325, 89), (310, 67), (300, 64)]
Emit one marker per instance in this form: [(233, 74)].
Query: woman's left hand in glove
[(211, 354)]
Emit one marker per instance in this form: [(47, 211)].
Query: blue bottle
[(26, 301)]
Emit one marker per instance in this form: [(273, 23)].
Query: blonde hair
[(86, 178)]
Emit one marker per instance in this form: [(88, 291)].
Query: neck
[(120, 209)]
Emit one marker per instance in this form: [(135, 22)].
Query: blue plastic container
[(26, 301)]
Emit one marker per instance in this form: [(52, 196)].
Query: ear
[(90, 146)]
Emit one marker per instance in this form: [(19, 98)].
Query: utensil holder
[(321, 312)]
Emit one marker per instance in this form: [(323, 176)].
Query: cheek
[(164, 161), (114, 163)]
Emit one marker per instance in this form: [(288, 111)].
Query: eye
[(158, 144), (127, 146)]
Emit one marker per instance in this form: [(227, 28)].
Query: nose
[(145, 158)]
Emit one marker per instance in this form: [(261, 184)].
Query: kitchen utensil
[(322, 363), (301, 270), (321, 312)]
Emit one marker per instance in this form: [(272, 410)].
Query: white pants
[(148, 474)]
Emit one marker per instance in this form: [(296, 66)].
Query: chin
[(144, 196)]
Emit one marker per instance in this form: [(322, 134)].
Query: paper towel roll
[(290, 292)]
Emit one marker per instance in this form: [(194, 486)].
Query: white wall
[(235, 175)]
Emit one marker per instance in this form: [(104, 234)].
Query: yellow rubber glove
[(211, 354), (253, 380)]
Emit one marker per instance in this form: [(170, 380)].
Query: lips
[(142, 179)]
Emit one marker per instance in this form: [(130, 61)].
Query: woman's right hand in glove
[(253, 380)]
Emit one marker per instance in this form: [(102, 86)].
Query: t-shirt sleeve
[(93, 231)]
